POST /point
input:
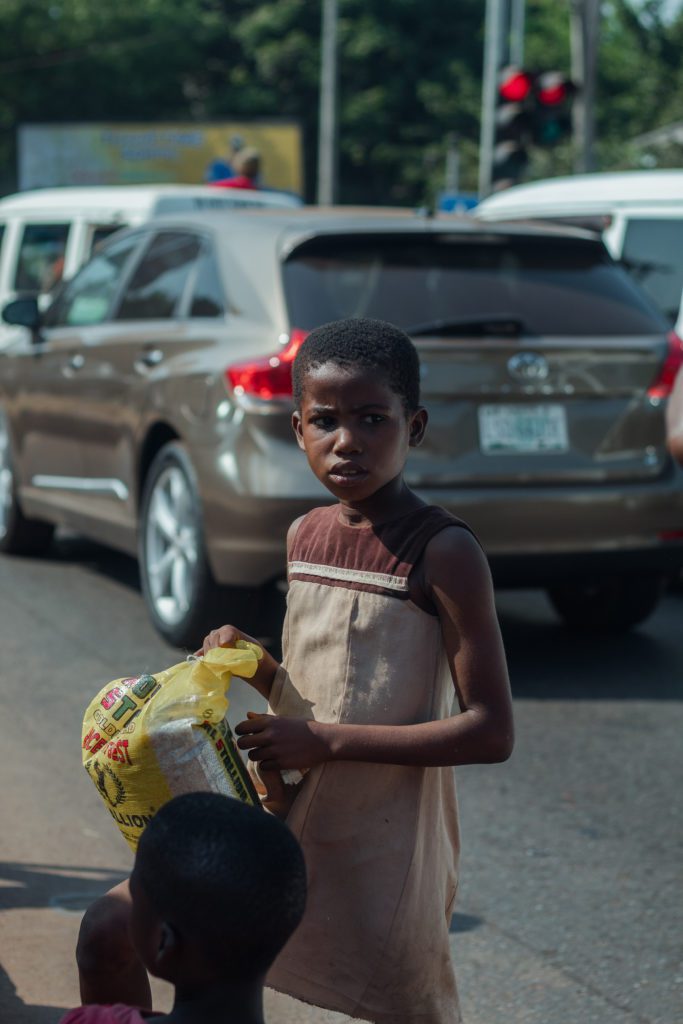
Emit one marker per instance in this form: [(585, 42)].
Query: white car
[(47, 234), (639, 213)]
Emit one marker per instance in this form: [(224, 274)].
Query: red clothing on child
[(116, 1014), (239, 181)]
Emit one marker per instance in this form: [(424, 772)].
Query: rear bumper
[(538, 536), (532, 535)]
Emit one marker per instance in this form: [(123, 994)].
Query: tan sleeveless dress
[(381, 841)]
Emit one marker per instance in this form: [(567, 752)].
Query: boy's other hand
[(282, 743), (227, 636), (224, 636)]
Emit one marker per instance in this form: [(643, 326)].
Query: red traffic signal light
[(553, 93), (553, 88), (515, 85), (513, 126)]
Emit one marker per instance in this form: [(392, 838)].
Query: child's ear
[(168, 952), (297, 428), (417, 427)]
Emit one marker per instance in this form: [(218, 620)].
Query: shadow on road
[(29, 886), (16, 1011), (104, 561), (50, 885), (549, 661)]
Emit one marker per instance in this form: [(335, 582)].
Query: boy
[(217, 889), (390, 609)]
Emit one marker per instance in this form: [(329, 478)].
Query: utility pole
[(327, 121), (584, 36), (493, 52), (517, 19)]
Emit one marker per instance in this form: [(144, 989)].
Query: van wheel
[(608, 605), (183, 599), (18, 534)]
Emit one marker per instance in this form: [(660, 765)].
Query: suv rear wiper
[(499, 323)]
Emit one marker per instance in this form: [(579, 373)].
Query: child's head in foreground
[(217, 888), (356, 387)]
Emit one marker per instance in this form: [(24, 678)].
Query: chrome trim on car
[(93, 485)]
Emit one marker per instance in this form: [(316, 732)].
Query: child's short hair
[(229, 876), (362, 342)]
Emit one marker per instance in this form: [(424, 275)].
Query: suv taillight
[(269, 376), (664, 382)]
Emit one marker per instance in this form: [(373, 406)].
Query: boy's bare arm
[(458, 581)]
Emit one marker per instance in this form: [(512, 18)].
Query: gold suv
[(149, 407)]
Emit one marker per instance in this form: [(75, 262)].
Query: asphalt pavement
[(569, 910)]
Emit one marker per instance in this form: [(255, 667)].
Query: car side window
[(158, 285), (41, 257), (87, 298), (100, 233), (207, 292)]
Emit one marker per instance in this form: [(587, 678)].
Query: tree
[(409, 70)]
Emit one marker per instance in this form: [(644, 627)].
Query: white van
[(640, 215), (46, 234)]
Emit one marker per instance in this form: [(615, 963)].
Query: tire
[(608, 605), (19, 535), (183, 599)]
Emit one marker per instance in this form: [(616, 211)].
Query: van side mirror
[(23, 313)]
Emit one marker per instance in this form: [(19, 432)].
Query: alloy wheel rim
[(171, 545), (6, 478)]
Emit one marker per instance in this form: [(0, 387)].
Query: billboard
[(135, 154)]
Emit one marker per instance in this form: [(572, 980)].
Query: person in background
[(247, 166), (222, 167), (217, 889)]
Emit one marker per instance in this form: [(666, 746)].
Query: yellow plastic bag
[(148, 738)]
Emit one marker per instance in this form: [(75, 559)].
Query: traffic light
[(553, 93), (513, 126)]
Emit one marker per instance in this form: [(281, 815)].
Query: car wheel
[(608, 605), (183, 599), (18, 534)]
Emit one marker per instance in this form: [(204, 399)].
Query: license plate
[(522, 429)]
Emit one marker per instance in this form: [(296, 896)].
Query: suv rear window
[(544, 285)]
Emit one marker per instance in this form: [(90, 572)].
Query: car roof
[(130, 199), (585, 193), (289, 228)]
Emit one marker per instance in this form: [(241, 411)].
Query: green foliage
[(409, 76)]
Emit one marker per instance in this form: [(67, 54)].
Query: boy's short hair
[(362, 342), (229, 876)]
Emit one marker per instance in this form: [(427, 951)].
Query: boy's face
[(355, 430)]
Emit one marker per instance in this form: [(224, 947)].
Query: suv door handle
[(150, 357)]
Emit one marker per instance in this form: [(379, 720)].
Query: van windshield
[(653, 254), (543, 285)]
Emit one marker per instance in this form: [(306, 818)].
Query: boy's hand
[(278, 797), (281, 743), (224, 636), (227, 636)]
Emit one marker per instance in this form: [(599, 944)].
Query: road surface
[(569, 910)]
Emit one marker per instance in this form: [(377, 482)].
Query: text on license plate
[(522, 429)]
